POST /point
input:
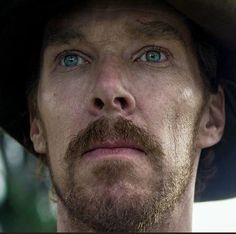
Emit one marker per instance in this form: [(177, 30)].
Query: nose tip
[(107, 104)]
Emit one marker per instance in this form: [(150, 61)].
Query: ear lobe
[(213, 121), (37, 136)]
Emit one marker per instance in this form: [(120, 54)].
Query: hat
[(21, 31)]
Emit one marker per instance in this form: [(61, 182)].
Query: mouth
[(113, 150)]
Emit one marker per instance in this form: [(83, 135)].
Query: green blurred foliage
[(26, 206)]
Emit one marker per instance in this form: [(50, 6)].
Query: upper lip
[(114, 144)]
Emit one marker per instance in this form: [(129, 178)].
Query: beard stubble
[(104, 210)]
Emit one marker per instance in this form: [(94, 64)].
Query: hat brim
[(217, 17)]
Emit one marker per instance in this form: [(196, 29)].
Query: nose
[(111, 94)]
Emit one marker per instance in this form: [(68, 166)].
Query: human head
[(178, 120)]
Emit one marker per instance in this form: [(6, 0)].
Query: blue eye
[(153, 56), (72, 60)]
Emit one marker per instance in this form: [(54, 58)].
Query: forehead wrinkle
[(155, 29)]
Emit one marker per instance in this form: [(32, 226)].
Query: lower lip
[(113, 153)]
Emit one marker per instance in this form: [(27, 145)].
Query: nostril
[(98, 103), (122, 102)]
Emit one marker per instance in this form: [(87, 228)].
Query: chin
[(113, 177)]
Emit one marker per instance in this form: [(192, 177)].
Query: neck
[(180, 220)]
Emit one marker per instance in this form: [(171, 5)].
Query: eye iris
[(153, 56), (71, 60)]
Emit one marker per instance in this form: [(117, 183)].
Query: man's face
[(120, 100)]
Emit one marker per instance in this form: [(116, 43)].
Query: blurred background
[(24, 201), (25, 205)]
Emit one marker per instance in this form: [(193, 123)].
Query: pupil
[(153, 56), (71, 60)]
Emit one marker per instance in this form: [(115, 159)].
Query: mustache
[(107, 129)]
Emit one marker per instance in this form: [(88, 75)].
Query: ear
[(37, 136), (213, 121)]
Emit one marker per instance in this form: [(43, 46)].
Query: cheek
[(62, 105), (61, 120), (170, 112)]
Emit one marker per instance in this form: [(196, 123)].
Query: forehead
[(100, 18)]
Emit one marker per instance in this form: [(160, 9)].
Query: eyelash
[(65, 53), (151, 48)]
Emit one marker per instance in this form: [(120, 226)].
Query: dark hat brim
[(216, 16), (21, 30)]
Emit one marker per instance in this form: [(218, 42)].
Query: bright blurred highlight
[(215, 216)]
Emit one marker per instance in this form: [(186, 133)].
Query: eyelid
[(145, 49)]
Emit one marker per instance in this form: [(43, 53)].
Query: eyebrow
[(156, 29), (153, 29), (61, 36)]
